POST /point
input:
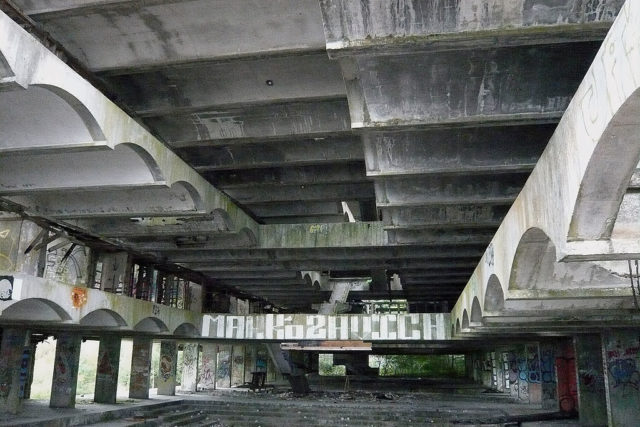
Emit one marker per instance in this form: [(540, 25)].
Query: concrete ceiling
[(432, 141)]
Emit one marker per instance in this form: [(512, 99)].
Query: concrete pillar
[(140, 368), (107, 372), (518, 373), (566, 377), (237, 365), (12, 349), (65, 371), (189, 368), (166, 378), (209, 366), (621, 352), (590, 374), (548, 383), (533, 375), (223, 371)]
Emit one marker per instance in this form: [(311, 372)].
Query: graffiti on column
[(139, 367), (166, 364), (7, 358), (546, 366), (206, 374), (623, 368), (189, 357), (533, 365), (64, 374)]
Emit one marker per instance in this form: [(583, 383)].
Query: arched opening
[(35, 310), (476, 311), (45, 117), (535, 267), (103, 318), (186, 330), (222, 220), (494, 295), (465, 320), (603, 187), (457, 326), (183, 187), (151, 325)]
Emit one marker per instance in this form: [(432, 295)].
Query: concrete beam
[(381, 28), (468, 88), (282, 209), (136, 202), (455, 151), (316, 219), (438, 237), (258, 123), (312, 192), (350, 234), (333, 253), (297, 175), (426, 190), (198, 87), (282, 153), (153, 35), (468, 216)]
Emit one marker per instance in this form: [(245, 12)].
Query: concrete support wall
[(548, 383), (223, 371), (190, 355), (524, 373), (621, 352), (11, 354), (140, 368), (590, 375), (65, 371), (107, 372), (566, 377), (209, 366), (237, 365), (166, 378)]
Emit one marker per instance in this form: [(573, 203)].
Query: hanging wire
[(635, 287)]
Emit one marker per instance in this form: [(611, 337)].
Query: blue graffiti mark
[(625, 373)]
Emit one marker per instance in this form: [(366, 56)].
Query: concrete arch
[(307, 280), (35, 310), (494, 295), (222, 220), (103, 318), (465, 320), (6, 73), (151, 325), (457, 326), (534, 266), (600, 194), (183, 186), (46, 117), (47, 171), (247, 237), (476, 311), (187, 330)]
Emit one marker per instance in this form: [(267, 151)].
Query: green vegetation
[(430, 366), (327, 368)]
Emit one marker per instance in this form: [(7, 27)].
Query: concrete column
[(209, 366), (237, 365), (166, 379), (566, 377), (533, 375), (189, 368), (621, 352), (65, 371), (107, 372), (140, 368), (12, 348), (590, 374), (548, 381), (223, 371)]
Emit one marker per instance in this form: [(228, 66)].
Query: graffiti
[(369, 327), (104, 364), (189, 358), (6, 378), (624, 373), (547, 371), (67, 270), (6, 288), (156, 310), (591, 380), (533, 366), (78, 296), (206, 376), (166, 367), (319, 229), (8, 245)]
